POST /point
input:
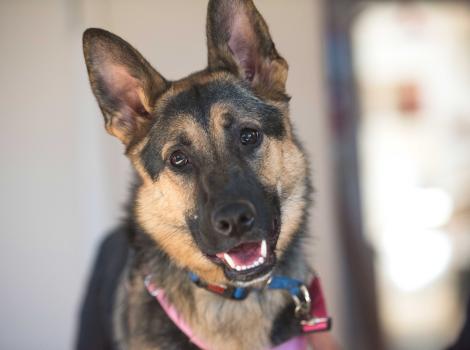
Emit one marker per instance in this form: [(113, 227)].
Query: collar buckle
[(303, 303)]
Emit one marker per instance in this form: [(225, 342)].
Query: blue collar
[(293, 286)]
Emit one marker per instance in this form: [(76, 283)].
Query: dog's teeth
[(264, 248), (229, 260), (249, 267)]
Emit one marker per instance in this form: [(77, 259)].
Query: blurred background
[(381, 99)]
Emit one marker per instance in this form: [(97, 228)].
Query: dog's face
[(223, 181)]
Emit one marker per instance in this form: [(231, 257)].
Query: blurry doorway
[(400, 86)]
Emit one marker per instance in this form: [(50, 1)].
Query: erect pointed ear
[(239, 41), (124, 83)]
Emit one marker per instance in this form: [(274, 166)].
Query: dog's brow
[(228, 120), (183, 139)]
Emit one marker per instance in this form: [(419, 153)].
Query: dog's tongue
[(245, 254)]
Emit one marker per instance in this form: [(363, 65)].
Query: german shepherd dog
[(220, 200)]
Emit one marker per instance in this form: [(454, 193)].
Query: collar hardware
[(302, 302)]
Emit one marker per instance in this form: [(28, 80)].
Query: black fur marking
[(198, 100), (151, 156), (285, 326), (95, 332)]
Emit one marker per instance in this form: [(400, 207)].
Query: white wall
[(63, 179)]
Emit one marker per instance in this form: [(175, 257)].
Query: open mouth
[(246, 256), (247, 261)]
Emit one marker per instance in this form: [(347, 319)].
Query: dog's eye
[(178, 159), (249, 136)]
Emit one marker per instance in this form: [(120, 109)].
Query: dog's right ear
[(124, 83), (239, 41)]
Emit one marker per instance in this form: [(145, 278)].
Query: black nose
[(234, 218)]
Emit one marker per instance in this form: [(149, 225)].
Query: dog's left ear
[(238, 40), (126, 86)]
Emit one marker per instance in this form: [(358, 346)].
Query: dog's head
[(223, 180)]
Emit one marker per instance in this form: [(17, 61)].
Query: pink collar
[(318, 322)]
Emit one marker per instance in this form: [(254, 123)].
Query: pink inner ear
[(125, 88), (243, 44)]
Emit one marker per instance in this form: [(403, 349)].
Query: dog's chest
[(218, 322), (237, 325)]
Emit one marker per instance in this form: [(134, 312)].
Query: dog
[(212, 253)]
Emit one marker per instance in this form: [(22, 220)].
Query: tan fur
[(293, 190), (218, 321), (283, 167), (219, 116), (222, 323)]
